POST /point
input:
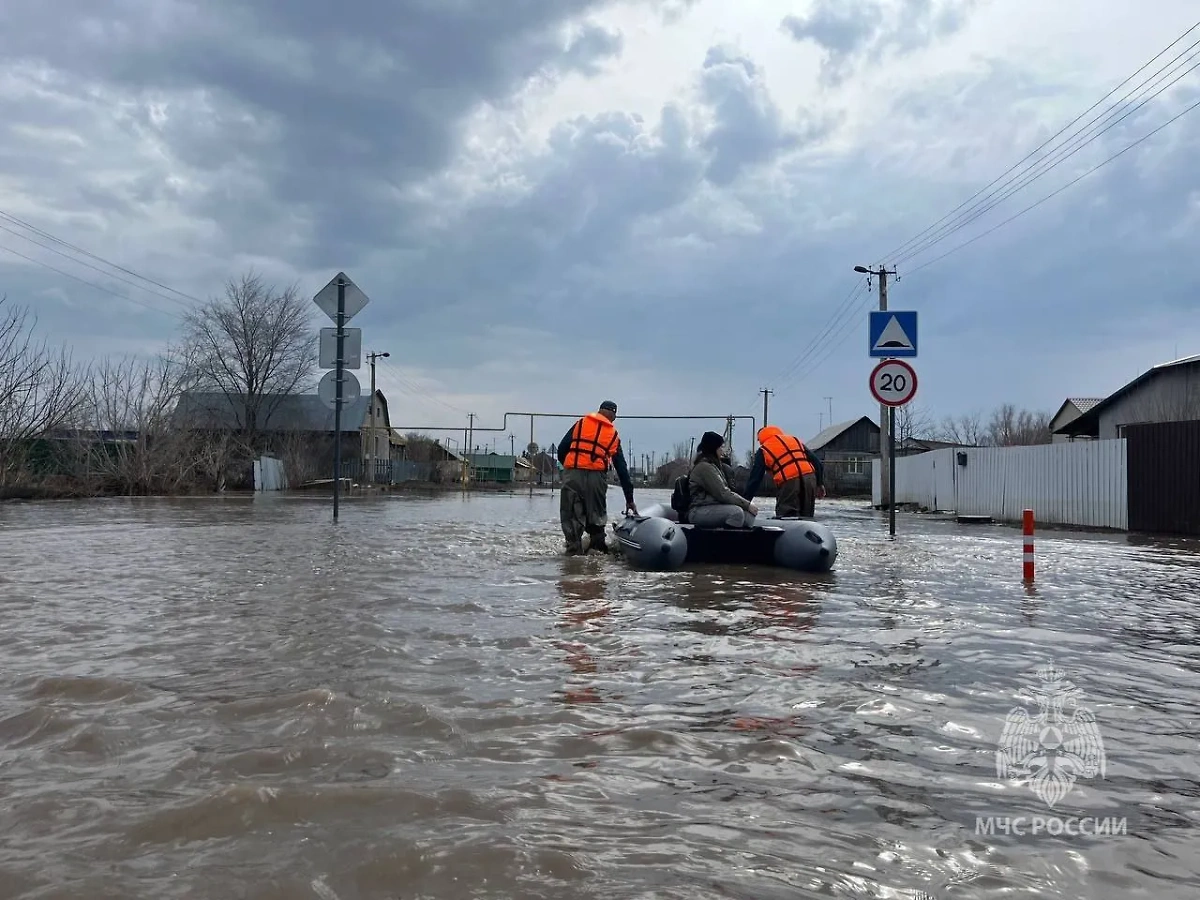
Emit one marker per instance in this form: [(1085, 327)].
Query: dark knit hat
[(609, 405), (710, 442)]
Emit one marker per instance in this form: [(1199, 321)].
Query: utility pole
[(764, 392), (371, 357), (469, 456), (729, 436), (830, 399), (885, 413)]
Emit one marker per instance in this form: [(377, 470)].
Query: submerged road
[(232, 698)]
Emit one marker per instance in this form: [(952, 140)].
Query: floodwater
[(230, 697)]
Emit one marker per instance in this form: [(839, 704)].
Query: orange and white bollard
[(1028, 522)]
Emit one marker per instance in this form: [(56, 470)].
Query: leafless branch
[(41, 391), (253, 346)]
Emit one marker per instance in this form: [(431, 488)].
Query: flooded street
[(233, 698)]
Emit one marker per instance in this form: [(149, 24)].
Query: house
[(909, 446), (1168, 392), (847, 449), (492, 467), (545, 468), (1071, 409), (301, 427)]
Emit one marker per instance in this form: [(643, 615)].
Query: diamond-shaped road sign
[(327, 298), (351, 348), (327, 389)]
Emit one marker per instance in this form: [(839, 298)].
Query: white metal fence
[(1082, 483)]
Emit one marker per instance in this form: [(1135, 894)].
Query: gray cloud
[(848, 32), (676, 259), (320, 110)]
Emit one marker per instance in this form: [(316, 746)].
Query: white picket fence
[(1082, 483), (268, 474)]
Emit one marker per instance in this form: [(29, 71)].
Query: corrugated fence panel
[(1164, 477), (1081, 483)]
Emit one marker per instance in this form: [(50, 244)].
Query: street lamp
[(862, 269)]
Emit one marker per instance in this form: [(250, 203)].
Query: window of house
[(852, 465)]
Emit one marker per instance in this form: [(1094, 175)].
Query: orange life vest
[(784, 455), (593, 443)]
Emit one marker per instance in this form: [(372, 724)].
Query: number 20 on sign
[(893, 382)]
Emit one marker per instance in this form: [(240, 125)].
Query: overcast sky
[(555, 202)]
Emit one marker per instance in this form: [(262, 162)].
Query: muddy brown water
[(233, 698)]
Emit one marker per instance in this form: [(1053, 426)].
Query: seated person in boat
[(712, 503)]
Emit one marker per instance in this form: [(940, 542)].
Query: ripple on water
[(228, 697)]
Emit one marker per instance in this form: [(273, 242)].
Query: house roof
[(931, 444), (835, 431), (1082, 404), (287, 412), (1089, 422)]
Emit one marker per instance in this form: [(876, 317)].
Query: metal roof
[(285, 412), (834, 431), (1083, 404), (1089, 422)]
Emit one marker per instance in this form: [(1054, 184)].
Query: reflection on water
[(231, 697)]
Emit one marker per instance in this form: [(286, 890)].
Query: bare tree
[(253, 346), (40, 390), (134, 399), (1010, 427), (913, 422), (966, 430)]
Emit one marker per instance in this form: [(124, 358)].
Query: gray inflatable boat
[(655, 539)]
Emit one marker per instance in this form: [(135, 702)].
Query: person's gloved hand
[(752, 509), (631, 508)]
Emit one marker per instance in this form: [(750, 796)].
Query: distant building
[(1072, 409), (847, 449), (1168, 392), (492, 467), (300, 424)]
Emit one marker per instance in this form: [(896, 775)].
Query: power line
[(92, 284), (18, 221), (1061, 189), (61, 253), (847, 310), (835, 342), (1033, 174), (1032, 153)]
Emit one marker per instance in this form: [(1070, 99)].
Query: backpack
[(681, 497)]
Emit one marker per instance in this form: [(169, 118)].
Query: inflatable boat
[(655, 539)]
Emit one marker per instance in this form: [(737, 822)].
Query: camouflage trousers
[(583, 506)]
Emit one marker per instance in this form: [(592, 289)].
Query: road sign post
[(893, 384), (352, 348), (341, 300)]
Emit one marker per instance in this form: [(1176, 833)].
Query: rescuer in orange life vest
[(585, 453), (798, 474)]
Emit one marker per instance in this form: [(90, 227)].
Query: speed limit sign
[(893, 382)]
